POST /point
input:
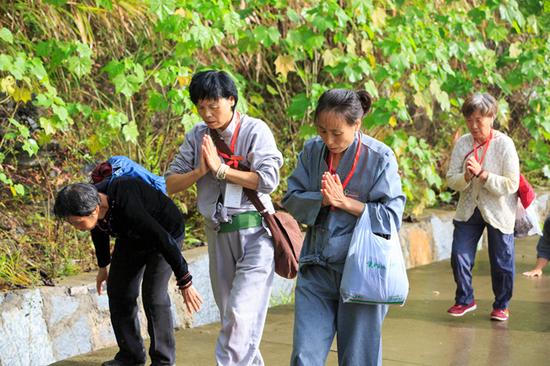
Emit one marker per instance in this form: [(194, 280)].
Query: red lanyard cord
[(475, 148), (355, 160), (233, 160), (486, 143)]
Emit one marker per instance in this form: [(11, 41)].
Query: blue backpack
[(122, 166)]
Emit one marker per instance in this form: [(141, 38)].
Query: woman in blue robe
[(339, 174)]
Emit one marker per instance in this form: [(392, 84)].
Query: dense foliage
[(80, 81)]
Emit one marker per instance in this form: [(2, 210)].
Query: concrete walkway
[(420, 333)]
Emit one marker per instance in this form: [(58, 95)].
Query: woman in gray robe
[(239, 247), (339, 174)]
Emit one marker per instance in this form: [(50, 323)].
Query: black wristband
[(187, 285), (185, 281), (478, 174)]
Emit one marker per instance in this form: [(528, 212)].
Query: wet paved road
[(420, 333)]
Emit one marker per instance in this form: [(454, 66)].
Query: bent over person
[(484, 169), (149, 232), (239, 247)]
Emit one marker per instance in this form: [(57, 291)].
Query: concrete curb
[(47, 324), (43, 325)]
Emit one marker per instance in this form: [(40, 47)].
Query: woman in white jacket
[(484, 169)]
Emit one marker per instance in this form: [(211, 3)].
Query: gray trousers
[(241, 274), (320, 314)]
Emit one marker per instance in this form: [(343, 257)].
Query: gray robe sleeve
[(184, 161), (265, 159), (386, 200), (304, 205)]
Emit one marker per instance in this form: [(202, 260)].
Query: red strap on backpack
[(526, 192), (101, 171)]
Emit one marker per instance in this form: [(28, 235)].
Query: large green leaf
[(5, 35), (298, 106), (162, 8), (130, 132), (79, 65), (5, 62)]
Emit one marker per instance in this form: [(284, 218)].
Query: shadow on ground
[(420, 333)]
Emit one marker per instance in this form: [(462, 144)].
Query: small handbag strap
[(250, 193)]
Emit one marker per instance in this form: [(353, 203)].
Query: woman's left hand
[(192, 299), (210, 154), (332, 190), (535, 272)]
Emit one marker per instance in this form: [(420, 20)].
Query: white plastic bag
[(527, 221), (374, 272)]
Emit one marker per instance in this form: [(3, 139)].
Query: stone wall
[(47, 324), (430, 239)]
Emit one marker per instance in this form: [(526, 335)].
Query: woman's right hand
[(535, 272), (210, 154), (202, 169), (326, 201), (192, 299), (102, 276)]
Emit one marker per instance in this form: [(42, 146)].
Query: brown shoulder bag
[(286, 233)]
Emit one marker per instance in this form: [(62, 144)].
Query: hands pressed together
[(332, 190), (474, 169), (209, 157)]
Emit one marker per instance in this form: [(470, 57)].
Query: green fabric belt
[(243, 220)]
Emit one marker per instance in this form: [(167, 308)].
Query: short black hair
[(77, 199), (352, 105), (212, 85)]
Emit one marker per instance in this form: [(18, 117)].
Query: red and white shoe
[(459, 309), (500, 314)]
